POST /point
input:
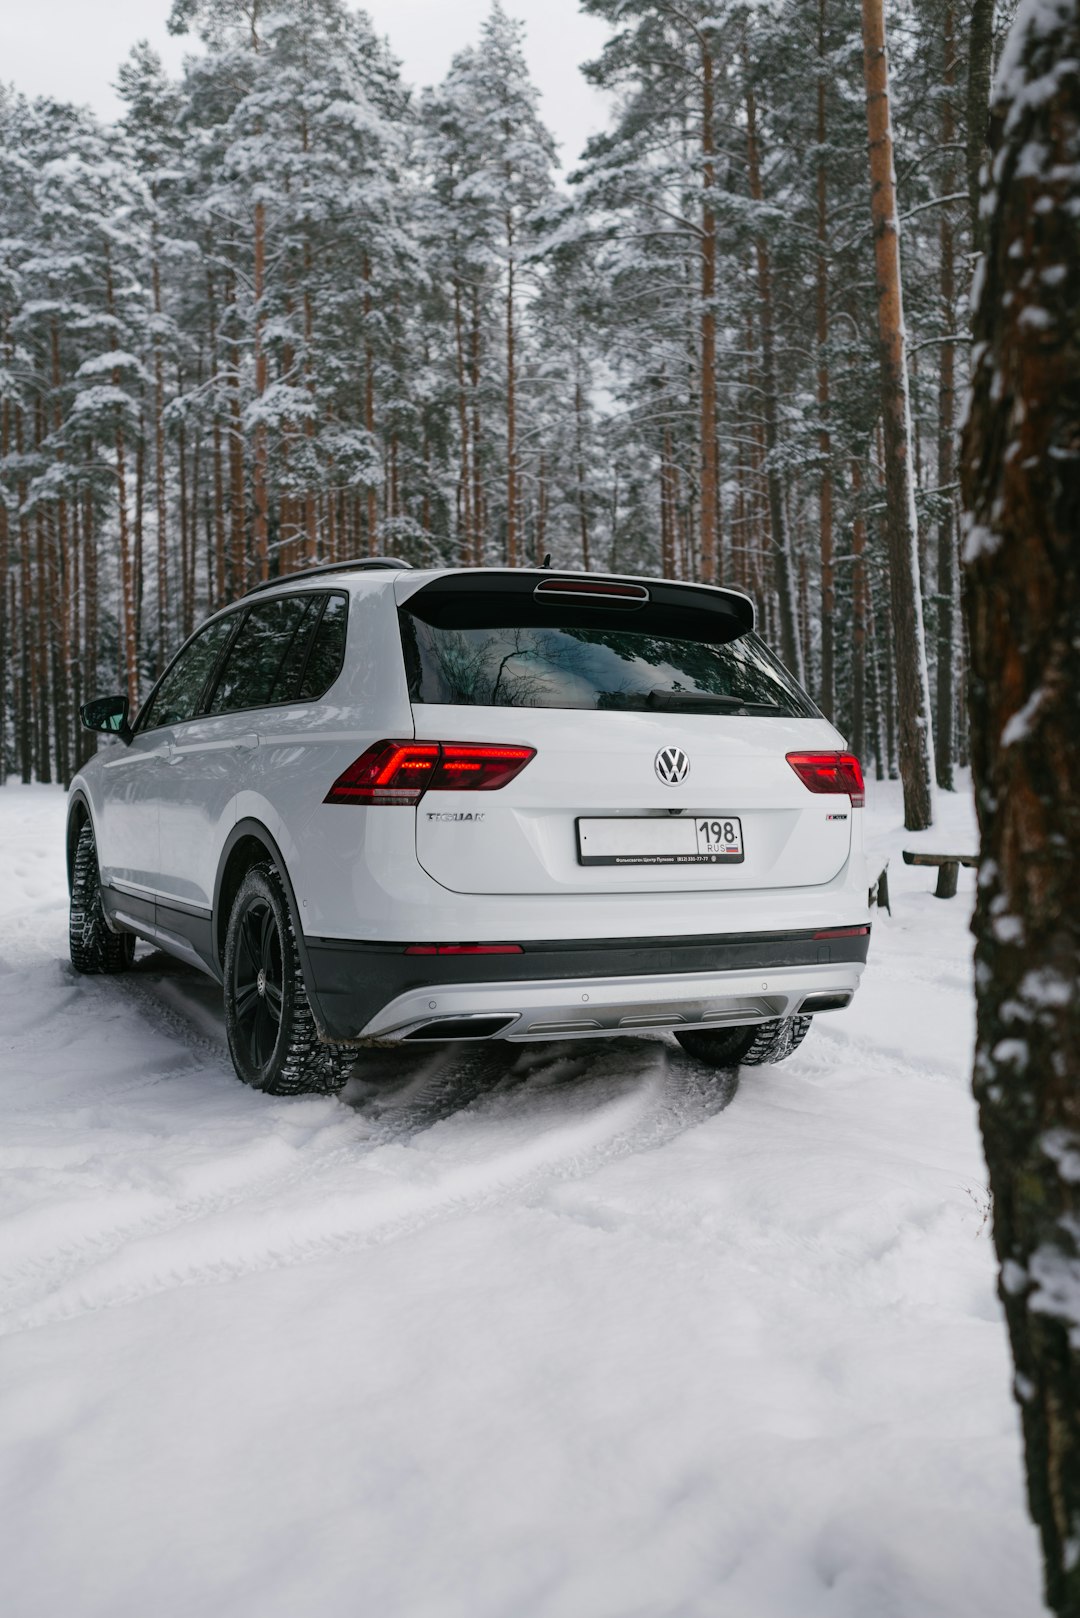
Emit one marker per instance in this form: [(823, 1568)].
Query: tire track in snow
[(628, 1099)]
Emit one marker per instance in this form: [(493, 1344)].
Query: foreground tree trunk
[(909, 640), (1021, 479)]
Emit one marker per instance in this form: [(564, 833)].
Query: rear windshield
[(615, 668)]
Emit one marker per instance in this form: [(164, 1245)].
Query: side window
[(327, 650), (177, 697), (264, 660)]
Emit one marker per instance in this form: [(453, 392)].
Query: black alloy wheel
[(273, 1041), (257, 995)]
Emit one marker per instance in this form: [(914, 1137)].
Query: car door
[(135, 776), (211, 753)]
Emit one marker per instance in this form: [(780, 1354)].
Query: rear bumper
[(556, 989)]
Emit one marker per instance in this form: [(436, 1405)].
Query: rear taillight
[(830, 772), (401, 772)]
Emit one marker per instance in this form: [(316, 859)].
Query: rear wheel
[(273, 1040), (746, 1047), (91, 945)]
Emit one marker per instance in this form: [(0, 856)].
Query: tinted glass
[(177, 697), (615, 668), (266, 655), (327, 651)]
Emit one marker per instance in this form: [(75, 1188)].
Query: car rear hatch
[(661, 726)]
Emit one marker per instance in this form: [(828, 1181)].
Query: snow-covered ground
[(545, 1333)]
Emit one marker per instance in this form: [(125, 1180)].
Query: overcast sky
[(70, 49)]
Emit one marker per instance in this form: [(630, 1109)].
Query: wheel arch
[(78, 816), (249, 844)]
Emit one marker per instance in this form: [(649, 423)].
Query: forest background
[(288, 309)]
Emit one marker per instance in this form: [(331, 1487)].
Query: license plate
[(648, 840)]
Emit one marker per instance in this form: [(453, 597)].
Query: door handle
[(246, 743)]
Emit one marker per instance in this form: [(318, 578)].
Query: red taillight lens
[(401, 772), (830, 772)]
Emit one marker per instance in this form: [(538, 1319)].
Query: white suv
[(385, 804)]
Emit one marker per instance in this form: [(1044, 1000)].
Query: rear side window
[(324, 660), (619, 668), (179, 694), (283, 653)]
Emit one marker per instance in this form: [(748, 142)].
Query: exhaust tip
[(466, 1027), (835, 1001)]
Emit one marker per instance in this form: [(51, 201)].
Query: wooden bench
[(948, 868)]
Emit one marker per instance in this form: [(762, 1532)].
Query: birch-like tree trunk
[(908, 635), (1021, 484)]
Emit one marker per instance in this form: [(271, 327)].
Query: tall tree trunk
[(1021, 484), (511, 407), (215, 582), (579, 460), (6, 620), (479, 517), (858, 608), (129, 644), (369, 410), (946, 456), (237, 515), (908, 638), (160, 504), (826, 686), (781, 545), (977, 111), (260, 455), (708, 314), (468, 555)]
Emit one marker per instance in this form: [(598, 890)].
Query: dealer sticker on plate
[(649, 840)]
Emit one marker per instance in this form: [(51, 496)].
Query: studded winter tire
[(92, 946), (746, 1047), (273, 1040)]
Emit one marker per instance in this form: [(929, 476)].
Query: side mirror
[(109, 714)]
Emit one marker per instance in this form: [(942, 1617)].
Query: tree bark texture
[(908, 637), (781, 545), (827, 685), (980, 67), (708, 320), (946, 457), (1021, 483)]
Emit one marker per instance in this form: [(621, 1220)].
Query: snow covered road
[(552, 1332)]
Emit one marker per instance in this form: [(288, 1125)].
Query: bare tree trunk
[(908, 638), (468, 556), (129, 634), (511, 407), (826, 686), (479, 523), (859, 600), (369, 410), (1021, 479), (708, 317), (781, 546), (946, 456), (260, 457), (977, 111), (582, 494), (215, 583), (159, 467)]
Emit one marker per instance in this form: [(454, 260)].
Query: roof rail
[(356, 565)]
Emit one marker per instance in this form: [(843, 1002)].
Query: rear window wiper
[(707, 701)]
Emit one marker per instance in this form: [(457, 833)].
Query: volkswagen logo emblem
[(672, 766)]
